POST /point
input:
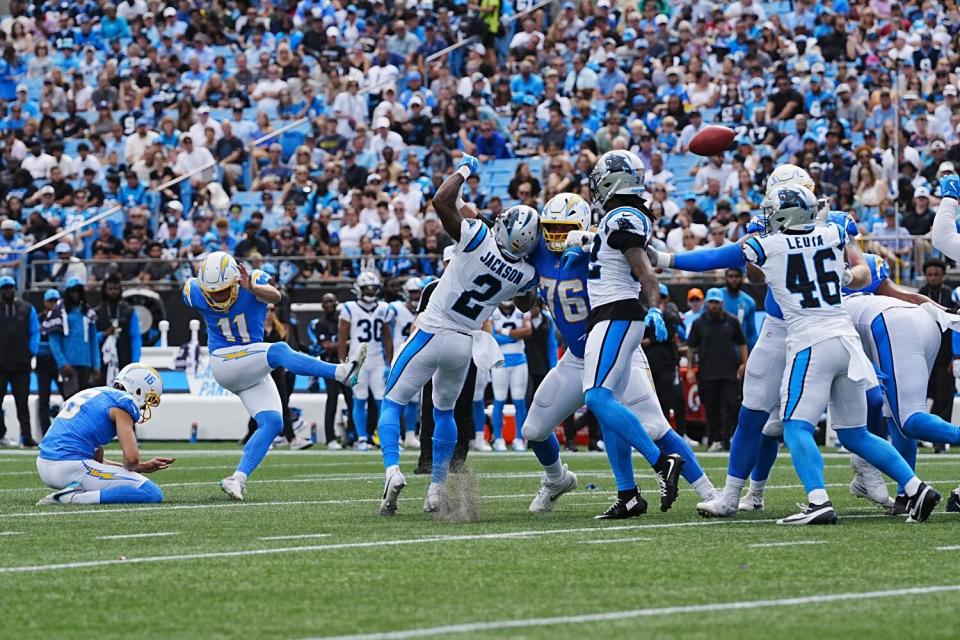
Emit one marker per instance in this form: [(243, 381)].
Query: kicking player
[(364, 324), (803, 263), (233, 305), (618, 273), (400, 317), (487, 267), (510, 328), (561, 393), (71, 453)]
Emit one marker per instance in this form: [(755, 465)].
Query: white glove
[(579, 239), (847, 277), (661, 259)]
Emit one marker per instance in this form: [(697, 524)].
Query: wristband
[(464, 171)]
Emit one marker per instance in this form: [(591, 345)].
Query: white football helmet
[(144, 384), (412, 289), (790, 174), (789, 207), (367, 287), (217, 273), (517, 231), (617, 173), (563, 213)]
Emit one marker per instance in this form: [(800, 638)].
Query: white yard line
[(493, 625), (297, 537), (765, 545), (378, 544), (953, 547), (131, 536), (9, 533), (617, 540)]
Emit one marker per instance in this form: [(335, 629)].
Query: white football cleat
[(550, 492), (234, 487), (63, 496), (751, 502), (334, 445), (434, 497), (868, 483), (519, 444), (499, 445), (394, 484), (299, 444), (411, 441), (349, 371), (361, 445), (480, 443), (717, 507)]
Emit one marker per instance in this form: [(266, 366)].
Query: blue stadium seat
[(290, 140)]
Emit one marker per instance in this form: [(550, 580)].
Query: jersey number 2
[(490, 287), (827, 284), (241, 322)]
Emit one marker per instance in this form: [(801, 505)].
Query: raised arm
[(263, 292), (944, 233), (445, 201), (857, 275)]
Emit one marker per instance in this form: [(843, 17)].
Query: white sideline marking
[(471, 627), (616, 540), (953, 547), (130, 536), (9, 533), (765, 545), (299, 537), (380, 543)]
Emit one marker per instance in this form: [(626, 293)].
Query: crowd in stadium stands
[(103, 103)]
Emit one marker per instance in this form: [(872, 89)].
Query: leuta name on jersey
[(803, 242), (501, 268)]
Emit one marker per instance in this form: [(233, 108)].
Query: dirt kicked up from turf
[(461, 500)]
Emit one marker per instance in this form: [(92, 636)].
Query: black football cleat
[(953, 502), (624, 508), (899, 507), (668, 470), (922, 504), (812, 514)]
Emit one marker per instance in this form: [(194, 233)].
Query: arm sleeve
[(136, 340), (726, 257), (56, 346), (624, 240), (944, 233), (753, 252), (34, 332), (750, 326)]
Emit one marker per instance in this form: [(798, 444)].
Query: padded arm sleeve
[(727, 257)]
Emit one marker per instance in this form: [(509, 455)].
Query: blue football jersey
[(84, 424), (879, 271), (566, 295), (241, 324)]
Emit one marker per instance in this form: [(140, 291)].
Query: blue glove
[(502, 339), (654, 319), (469, 162), (950, 187), (571, 258)]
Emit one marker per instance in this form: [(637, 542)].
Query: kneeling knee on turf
[(151, 492)]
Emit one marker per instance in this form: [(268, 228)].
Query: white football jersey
[(610, 277), (366, 327), (864, 308), (401, 320), (477, 279), (804, 273), (512, 320)]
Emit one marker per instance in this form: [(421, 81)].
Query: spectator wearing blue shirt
[(66, 61), (490, 144), (577, 134), (882, 112), (133, 193), (526, 83), (740, 304), (112, 26), (415, 87), (610, 77), (673, 87), (816, 96), (10, 69), (72, 327)]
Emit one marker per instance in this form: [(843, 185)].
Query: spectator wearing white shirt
[(191, 158), (581, 78), (267, 91), (410, 194), (86, 160), (137, 144), (715, 169), (350, 109), (658, 174), (38, 162), (401, 216), (242, 128), (198, 129), (351, 231), (384, 137)]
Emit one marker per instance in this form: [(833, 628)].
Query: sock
[(547, 451), (496, 420), (912, 486), (906, 447), (926, 426), (125, 494), (479, 417), (745, 442), (704, 487), (620, 456), (806, 456), (240, 475), (360, 417), (389, 428), (672, 442), (766, 456), (269, 426), (757, 486), (875, 412), (281, 355), (733, 487), (616, 419), (520, 411), (818, 496), (444, 440), (411, 414), (877, 452), (554, 471)]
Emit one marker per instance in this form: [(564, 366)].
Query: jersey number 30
[(826, 287), (372, 330), (488, 286)]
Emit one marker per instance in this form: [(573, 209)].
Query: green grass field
[(306, 557)]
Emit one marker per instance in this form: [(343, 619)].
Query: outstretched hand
[(655, 321), (244, 276), (470, 162), (155, 464), (950, 186)]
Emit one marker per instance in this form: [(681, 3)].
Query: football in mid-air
[(711, 140)]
